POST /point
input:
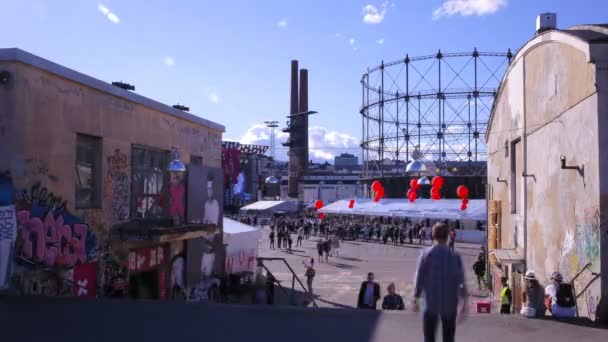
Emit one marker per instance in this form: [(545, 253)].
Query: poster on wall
[(85, 280), (204, 256), (8, 235)]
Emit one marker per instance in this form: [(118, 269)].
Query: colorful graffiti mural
[(116, 185), (51, 240), (177, 196)]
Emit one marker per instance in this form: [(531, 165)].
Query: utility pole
[(272, 125)]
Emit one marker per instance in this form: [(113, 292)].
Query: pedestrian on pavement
[(320, 249), (335, 244), (369, 294), (392, 301), (289, 241), (506, 297), (479, 268), (533, 297), (271, 236), (421, 234), (560, 297), (452, 239), (410, 235), (327, 249), (300, 237), (310, 275), (279, 237), (440, 278)]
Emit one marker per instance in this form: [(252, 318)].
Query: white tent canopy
[(242, 241), (271, 206), (446, 209)]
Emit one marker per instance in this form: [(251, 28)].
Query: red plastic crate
[(484, 307)]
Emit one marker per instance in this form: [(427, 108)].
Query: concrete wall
[(550, 89)]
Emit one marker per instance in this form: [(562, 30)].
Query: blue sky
[(229, 61)]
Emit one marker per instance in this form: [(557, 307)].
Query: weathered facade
[(85, 182), (552, 105)]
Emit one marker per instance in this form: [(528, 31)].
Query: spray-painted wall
[(553, 85), (40, 116)]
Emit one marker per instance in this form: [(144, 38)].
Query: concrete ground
[(72, 320), (337, 283)]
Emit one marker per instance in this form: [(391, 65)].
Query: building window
[(149, 176), (88, 172), (506, 148), (196, 160)]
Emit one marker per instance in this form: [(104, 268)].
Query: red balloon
[(438, 181), (376, 185), (377, 197), (351, 204), (380, 192), (463, 207), (322, 216), (412, 200), (462, 191), (413, 195), (318, 204), (409, 191), (465, 201), (414, 184)]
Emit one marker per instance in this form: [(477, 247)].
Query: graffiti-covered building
[(103, 192), (548, 164)]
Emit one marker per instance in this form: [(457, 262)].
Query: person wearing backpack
[(479, 268), (561, 297)]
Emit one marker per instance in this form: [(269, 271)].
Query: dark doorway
[(144, 285)]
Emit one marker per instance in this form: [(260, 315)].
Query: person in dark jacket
[(369, 294), (392, 301)]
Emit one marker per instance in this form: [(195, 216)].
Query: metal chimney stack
[(303, 120), (294, 165)]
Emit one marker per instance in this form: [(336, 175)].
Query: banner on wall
[(85, 280), (8, 235)]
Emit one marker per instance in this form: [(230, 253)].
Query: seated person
[(560, 297), (533, 297)]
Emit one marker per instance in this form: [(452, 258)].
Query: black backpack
[(564, 296)]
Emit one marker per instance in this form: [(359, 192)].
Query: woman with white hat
[(533, 297)]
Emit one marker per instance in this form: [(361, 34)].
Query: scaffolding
[(439, 104)]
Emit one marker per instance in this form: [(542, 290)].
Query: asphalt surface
[(337, 282), (71, 320)]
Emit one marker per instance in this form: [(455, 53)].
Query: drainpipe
[(525, 171)]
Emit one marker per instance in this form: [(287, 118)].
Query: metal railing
[(595, 275), (293, 279)]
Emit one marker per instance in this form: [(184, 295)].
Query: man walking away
[(320, 250), (506, 298), (392, 301), (335, 244), (327, 249), (271, 239), (300, 237), (369, 294), (479, 268), (440, 278)]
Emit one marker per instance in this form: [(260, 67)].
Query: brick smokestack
[(294, 166), (303, 154)]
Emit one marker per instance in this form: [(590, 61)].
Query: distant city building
[(346, 161)]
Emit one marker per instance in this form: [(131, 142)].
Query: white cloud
[(373, 14), (381, 41), (214, 97), (108, 14), (468, 7), (324, 144), (351, 41), (169, 61), (282, 23)]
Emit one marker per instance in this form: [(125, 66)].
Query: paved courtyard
[(337, 282)]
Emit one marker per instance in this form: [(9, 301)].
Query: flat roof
[(18, 55)]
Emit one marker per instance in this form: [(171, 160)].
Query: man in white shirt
[(212, 207), (565, 298)]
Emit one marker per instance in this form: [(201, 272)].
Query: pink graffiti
[(50, 241), (176, 191)]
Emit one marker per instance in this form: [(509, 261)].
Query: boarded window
[(148, 180), (88, 171)]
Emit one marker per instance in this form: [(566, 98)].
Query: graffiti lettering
[(50, 241), (117, 185), (41, 196), (37, 169), (241, 262)]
